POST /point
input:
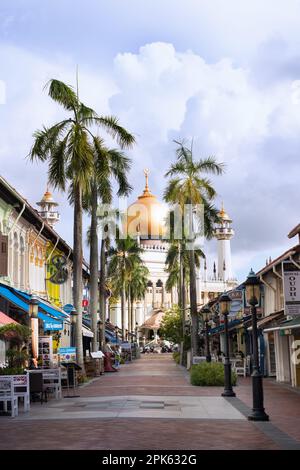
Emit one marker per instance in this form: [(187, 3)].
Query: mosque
[(146, 222)]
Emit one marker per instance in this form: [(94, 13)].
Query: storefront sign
[(52, 326), (291, 287), (67, 354), (68, 308)]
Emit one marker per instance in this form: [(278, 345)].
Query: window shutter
[(3, 255)]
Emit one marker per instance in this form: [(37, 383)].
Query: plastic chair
[(7, 395)]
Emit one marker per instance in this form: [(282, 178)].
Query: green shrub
[(210, 374), (176, 357), (122, 361), (12, 371)]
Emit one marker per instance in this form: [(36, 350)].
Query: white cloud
[(160, 94)]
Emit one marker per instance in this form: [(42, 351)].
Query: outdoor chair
[(21, 389), (36, 385), (240, 367), (7, 395), (52, 382)]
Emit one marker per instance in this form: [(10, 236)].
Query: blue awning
[(231, 325), (43, 305), (21, 300), (13, 298)]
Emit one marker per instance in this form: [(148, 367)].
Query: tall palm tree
[(110, 164), (137, 287), (69, 146), (189, 185), (177, 267), (123, 257)]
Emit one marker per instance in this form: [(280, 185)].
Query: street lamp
[(73, 315), (225, 302), (34, 324), (206, 314), (252, 286), (136, 332)]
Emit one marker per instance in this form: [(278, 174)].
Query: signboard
[(58, 267), (52, 326), (85, 303), (68, 308), (291, 288), (46, 351), (97, 355), (67, 354)]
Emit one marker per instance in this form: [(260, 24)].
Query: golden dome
[(47, 198), (223, 214), (146, 216)]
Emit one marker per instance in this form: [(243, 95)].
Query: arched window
[(15, 273)]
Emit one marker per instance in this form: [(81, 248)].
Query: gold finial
[(146, 173)]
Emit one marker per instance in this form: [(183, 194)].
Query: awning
[(87, 332), (21, 300), (6, 320), (263, 322), (154, 321), (231, 325), (286, 325)]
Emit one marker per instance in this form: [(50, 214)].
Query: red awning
[(5, 319)]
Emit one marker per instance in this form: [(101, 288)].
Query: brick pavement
[(156, 375)]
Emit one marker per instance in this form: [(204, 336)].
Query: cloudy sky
[(225, 73)]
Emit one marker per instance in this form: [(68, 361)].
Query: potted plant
[(16, 356)]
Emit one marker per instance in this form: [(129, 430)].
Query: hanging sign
[(291, 288), (58, 265)]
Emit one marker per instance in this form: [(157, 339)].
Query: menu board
[(46, 351)]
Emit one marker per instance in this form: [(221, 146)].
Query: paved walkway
[(150, 404)]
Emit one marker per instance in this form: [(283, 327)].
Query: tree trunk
[(102, 293), (193, 303), (123, 305), (129, 311), (77, 272), (94, 297), (133, 319)]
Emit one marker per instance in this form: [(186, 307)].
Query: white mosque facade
[(146, 216)]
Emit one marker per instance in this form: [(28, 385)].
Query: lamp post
[(252, 286), (73, 315), (136, 332), (34, 324), (225, 302), (206, 313)]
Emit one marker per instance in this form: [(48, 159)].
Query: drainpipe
[(17, 219), (33, 243), (52, 250)]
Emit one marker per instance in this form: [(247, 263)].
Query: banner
[(291, 288)]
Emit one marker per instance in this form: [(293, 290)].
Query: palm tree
[(137, 287), (110, 164), (177, 266), (188, 185), (123, 258), (69, 146)]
